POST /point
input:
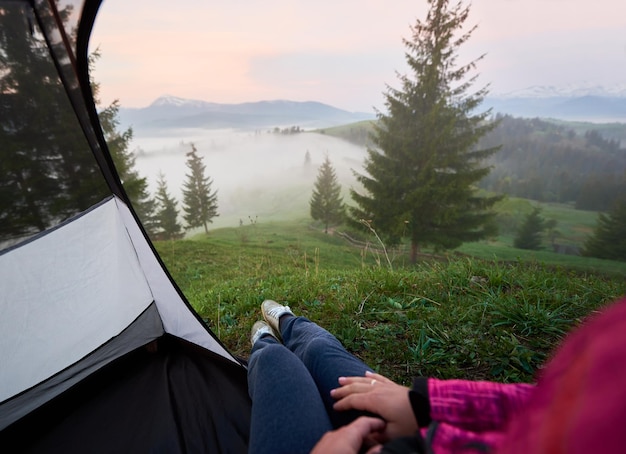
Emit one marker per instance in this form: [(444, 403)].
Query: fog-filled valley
[(259, 175), (268, 174)]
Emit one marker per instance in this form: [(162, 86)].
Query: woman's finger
[(354, 401), (354, 388)]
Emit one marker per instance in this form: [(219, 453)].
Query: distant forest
[(579, 163), (544, 161)]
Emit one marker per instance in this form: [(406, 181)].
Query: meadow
[(483, 311), (474, 313)]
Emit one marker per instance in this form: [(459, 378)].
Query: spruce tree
[(167, 212), (326, 202), (529, 234), (119, 142), (135, 185), (420, 175), (199, 203), (609, 236)]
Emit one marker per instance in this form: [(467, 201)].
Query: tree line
[(542, 161)]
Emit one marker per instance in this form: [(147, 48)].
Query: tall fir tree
[(419, 177), (326, 202), (608, 240), (528, 236), (167, 213), (199, 203), (119, 142)]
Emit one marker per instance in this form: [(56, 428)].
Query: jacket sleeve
[(460, 416), (476, 405)]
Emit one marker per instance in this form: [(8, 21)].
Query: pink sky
[(342, 52)]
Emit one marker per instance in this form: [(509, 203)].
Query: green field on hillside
[(483, 311), (448, 316)]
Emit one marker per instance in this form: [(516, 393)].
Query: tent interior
[(100, 351)]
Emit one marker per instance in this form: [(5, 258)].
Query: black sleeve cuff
[(418, 396)]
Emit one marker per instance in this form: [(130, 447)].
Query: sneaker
[(259, 329), (272, 311)]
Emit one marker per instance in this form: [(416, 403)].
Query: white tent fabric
[(177, 319), (66, 294), (75, 288)]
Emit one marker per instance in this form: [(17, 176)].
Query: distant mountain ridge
[(174, 112), (573, 103), (584, 102), (566, 91), (585, 108)]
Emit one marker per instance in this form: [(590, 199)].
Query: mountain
[(173, 112), (584, 102), (575, 102), (567, 91)]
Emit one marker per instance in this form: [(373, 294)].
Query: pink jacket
[(577, 406), (472, 413)]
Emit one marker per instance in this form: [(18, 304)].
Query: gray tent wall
[(100, 351)]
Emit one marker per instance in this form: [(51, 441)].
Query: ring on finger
[(373, 382)]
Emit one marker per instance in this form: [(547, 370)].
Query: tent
[(99, 349)]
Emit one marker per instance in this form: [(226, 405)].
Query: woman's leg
[(288, 415), (325, 359)]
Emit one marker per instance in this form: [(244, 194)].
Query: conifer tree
[(119, 142), (419, 177), (199, 203), (135, 185), (167, 212), (609, 236), (326, 202), (529, 234)]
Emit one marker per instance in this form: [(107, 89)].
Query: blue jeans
[(290, 385)]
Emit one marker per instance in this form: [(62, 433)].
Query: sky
[(341, 52)]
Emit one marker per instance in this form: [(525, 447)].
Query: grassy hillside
[(358, 132), (484, 311), (448, 317)]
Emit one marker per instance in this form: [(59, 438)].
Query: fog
[(258, 175)]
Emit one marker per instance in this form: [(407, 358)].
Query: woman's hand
[(362, 432), (379, 395)]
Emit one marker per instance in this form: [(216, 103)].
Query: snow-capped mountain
[(175, 101), (174, 112)]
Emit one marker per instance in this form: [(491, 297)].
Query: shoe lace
[(277, 311), (261, 331)]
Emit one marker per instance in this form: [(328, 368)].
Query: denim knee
[(319, 347), (268, 352)]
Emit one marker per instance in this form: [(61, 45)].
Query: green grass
[(510, 254), (495, 319)]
